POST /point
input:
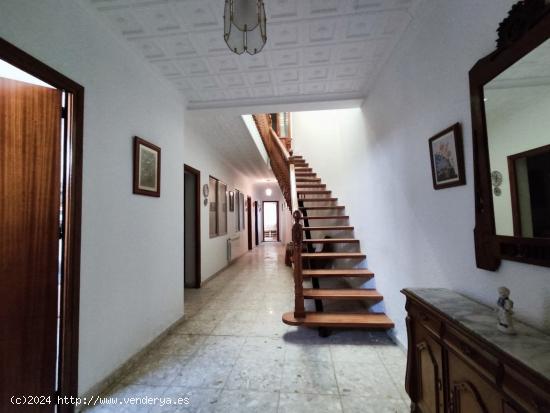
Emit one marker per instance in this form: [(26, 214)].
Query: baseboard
[(393, 337), (102, 387), (229, 264)]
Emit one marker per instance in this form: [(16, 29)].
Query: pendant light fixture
[(245, 26)]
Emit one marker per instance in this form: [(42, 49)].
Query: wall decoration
[(496, 180), (231, 201), (146, 168), (447, 158)]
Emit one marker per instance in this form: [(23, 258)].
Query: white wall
[(131, 286), (200, 155), (415, 236)]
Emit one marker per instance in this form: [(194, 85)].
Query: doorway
[(41, 118), (256, 237), (270, 221), (192, 232), (249, 221)]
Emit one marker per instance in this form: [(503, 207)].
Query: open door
[(270, 221), (40, 203), (192, 228)]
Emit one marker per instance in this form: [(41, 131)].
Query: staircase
[(318, 207), (319, 222)]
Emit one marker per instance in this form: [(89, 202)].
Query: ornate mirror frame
[(526, 28)]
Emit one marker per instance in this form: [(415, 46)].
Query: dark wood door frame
[(70, 296), (256, 222), (263, 219), (249, 221), (197, 175)]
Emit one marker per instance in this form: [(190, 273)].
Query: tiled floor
[(233, 354)]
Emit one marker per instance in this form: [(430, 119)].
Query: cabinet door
[(429, 373), (469, 393)]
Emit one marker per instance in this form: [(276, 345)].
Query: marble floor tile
[(308, 377), (364, 379), (233, 401), (255, 374), (296, 403), (232, 353), (354, 404), (185, 400)]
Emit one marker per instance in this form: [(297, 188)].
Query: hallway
[(233, 353)]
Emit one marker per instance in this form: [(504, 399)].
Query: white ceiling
[(317, 50)]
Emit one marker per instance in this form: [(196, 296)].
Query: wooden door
[(429, 370), (30, 118)]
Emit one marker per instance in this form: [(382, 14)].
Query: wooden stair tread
[(333, 255), (331, 241), (303, 174), (343, 294), (317, 199), (339, 272), (330, 228), (368, 320), (320, 208), (308, 180), (314, 192), (327, 217), (310, 185)]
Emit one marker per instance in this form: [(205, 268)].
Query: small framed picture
[(231, 201), (146, 168), (447, 158)]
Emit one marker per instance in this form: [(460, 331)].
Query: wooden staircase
[(310, 192), (311, 202)]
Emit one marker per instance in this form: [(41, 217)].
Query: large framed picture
[(146, 168), (447, 158)]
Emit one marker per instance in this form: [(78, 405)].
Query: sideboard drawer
[(427, 319)]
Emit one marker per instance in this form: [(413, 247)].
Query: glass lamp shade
[(245, 26)]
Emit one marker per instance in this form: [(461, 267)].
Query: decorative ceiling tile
[(285, 58), (284, 35), (232, 80), (234, 94), (198, 14), (315, 88), (317, 7), (322, 30), (204, 82), (167, 68), (223, 64), (124, 21), (282, 9), (286, 90), (158, 18), (194, 67), (315, 73), (177, 45), (149, 48), (259, 78), (288, 76), (317, 55), (314, 46)]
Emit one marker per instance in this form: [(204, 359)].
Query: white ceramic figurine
[(505, 306)]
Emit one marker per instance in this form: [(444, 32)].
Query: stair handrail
[(285, 172)]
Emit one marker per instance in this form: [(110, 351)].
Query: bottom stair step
[(373, 321), (343, 294)]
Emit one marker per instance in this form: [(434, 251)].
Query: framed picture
[(231, 201), (447, 158), (146, 168)]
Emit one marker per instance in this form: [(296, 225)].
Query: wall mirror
[(510, 97)]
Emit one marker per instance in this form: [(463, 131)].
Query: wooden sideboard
[(458, 362)]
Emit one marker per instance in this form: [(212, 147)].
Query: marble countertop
[(530, 346)]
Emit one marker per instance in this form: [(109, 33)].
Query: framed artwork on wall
[(146, 168), (447, 158), (231, 201)]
